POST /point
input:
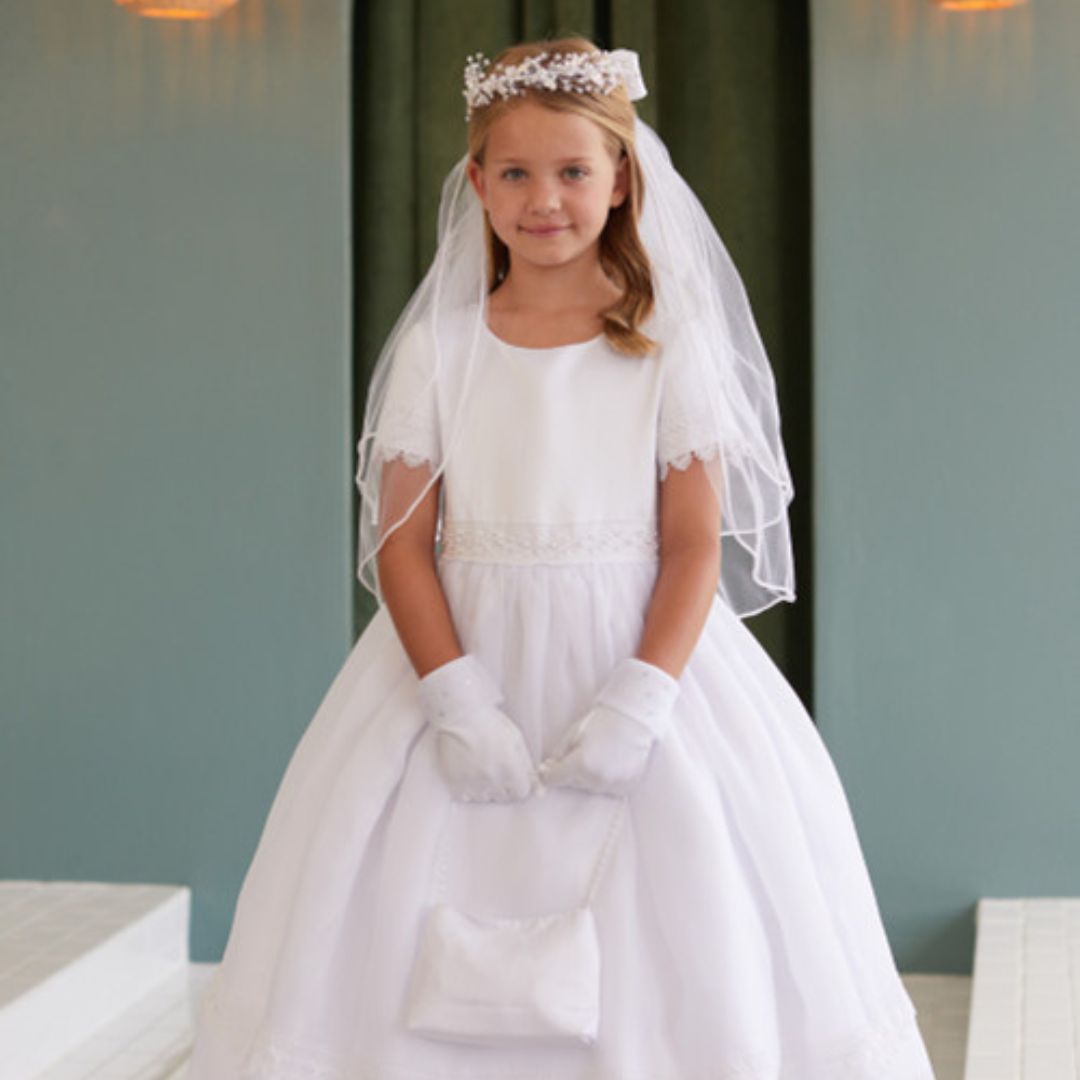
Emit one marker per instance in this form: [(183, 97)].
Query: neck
[(554, 288)]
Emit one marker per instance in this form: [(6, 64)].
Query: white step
[(74, 955), (1025, 1002), (150, 1041)]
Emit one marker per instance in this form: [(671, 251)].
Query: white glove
[(482, 753), (606, 751)]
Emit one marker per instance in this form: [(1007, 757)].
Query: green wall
[(946, 270), (175, 440)]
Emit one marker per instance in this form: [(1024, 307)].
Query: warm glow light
[(176, 9), (977, 5)]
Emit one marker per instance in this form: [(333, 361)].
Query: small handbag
[(498, 980)]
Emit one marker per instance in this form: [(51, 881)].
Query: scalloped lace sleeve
[(408, 425), (686, 426)]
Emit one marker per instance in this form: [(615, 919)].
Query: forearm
[(412, 592), (680, 603)]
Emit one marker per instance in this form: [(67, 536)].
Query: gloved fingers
[(580, 782), (516, 771), (471, 796), (598, 767), (569, 740), (511, 784), (493, 780), (595, 785), (489, 760), (564, 770), (503, 794)]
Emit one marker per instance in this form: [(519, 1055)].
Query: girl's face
[(547, 183)]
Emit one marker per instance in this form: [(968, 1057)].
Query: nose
[(544, 197)]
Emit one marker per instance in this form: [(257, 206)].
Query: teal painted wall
[(946, 270), (175, 439)]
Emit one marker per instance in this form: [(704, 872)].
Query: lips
[(549, 231)]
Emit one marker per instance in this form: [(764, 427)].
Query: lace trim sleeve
[(682, 461), (686, 427), (408, 426)]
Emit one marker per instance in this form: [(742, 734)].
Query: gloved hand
[(481, 751), (606, 751)]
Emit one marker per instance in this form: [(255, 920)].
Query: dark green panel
[(634, 26), (735, 116), (385, 174), (556, 18)]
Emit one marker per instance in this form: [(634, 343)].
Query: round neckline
[(538, 348)]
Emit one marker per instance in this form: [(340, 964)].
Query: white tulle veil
[(727, 413)]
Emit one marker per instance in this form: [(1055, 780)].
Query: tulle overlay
[(740, 935)]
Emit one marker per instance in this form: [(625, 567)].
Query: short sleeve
[(408, 422), (686, 425)]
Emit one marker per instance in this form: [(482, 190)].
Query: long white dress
[(739, 932)]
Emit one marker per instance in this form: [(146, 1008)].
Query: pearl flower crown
[(580, 72)]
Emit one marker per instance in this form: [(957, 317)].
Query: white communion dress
[(739, 932)]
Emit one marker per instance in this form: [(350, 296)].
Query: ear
[(622, 182), (476, 177)]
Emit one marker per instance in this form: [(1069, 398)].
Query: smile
[(547, 232)]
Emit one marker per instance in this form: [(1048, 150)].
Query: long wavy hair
[(621, 252)]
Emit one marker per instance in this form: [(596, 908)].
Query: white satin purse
[(498, 980)]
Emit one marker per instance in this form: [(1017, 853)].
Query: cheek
[(502, 206), (502, 221), (598, 206)]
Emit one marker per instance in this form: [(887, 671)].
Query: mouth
[(550, 230)]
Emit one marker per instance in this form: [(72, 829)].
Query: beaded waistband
[(534, 542)]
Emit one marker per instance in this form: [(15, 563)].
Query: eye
[(577, 169), (506, 172)]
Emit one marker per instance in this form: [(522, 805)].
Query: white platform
[(1025, 1005), (95, 984), (74, 956)]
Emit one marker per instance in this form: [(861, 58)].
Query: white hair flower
[(578, 72)]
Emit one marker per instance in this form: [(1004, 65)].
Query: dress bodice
[(562, 436), (557, 452)]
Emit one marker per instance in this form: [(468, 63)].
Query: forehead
[(530, 131)]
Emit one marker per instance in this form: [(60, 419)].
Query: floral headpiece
[(580, 72)]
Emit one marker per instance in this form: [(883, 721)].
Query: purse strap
[(605, 851), (439, 889)]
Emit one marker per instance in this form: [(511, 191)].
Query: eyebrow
[(518, 161)]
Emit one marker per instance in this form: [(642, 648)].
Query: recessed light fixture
[(977, 5), (176, 9)]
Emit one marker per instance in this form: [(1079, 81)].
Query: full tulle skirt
[(739, 932)]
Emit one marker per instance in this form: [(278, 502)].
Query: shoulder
[(445, 336), (678, 337), (675, 352)]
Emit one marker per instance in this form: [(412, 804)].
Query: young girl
[(559, 815)]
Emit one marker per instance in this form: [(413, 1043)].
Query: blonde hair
[(622, 254)]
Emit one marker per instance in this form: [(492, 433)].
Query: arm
[(606, 750), (481, 751), (408, 579), (689, 568)]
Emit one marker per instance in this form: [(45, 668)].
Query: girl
[(559, 815)]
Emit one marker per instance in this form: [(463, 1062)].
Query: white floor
[(151, 1042), (943, 1003)]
